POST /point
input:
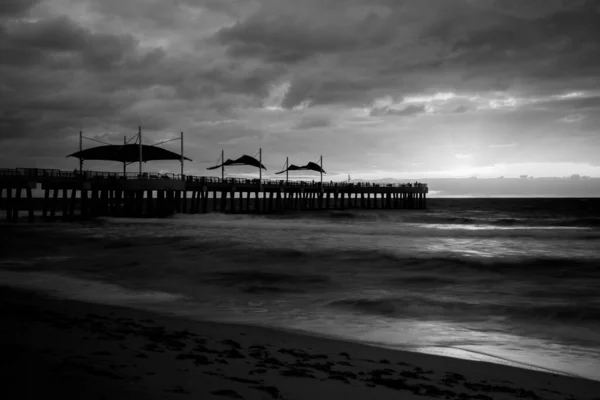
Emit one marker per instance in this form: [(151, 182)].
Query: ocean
[(513, 281)]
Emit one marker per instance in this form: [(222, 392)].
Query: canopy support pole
[(140, 139), (80, 149), (124, 161), (222, 165), (260, 168), (287, 165), (182, 177), (321, 170)]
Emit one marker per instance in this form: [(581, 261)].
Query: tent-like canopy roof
[(243, 160), (310, 166), (127, 153)]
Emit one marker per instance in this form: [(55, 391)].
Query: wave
[(425, 280), (263, 282), (474, 217), (385, 260), (428, 308)]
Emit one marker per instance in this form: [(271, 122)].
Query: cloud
[(569, 119), (462, 156), (16, 8), (287, 33), (460, 109), (404, 112), (312, 122), (417, 80)]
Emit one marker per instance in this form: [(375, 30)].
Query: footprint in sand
[(178, 390), (232, 394)]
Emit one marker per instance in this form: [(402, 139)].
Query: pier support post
[(204, 198), (8, 204), (72, 204), (109, 202), (46, 203), (223, 201), (53, 207), (104, 202), (117, 203), (140, 203), (65, 205), (170, 197), (200, 199), (160, 203), (171, 206), (17, 204), (30, 204), (232, 208), (84, 203), (94, 203), (201, 202), (150, 205), (177, 200), (195, 202)]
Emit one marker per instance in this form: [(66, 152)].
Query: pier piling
[(102, 194)]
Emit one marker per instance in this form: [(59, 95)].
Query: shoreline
[(73, 347), (81, 295)]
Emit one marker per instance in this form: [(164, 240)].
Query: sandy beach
[(70, 349)]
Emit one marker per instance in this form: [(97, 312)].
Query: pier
[(87, 194)]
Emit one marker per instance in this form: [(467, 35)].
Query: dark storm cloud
[(284, 39), (59, 76), (563, 44), (49, 66), (297, 33), (159, 13), (107, 65), (465, 45), (15, 8), (61, 42)]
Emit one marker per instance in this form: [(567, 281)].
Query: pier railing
[(49, 174)]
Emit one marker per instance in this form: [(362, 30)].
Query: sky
[(380, 88)]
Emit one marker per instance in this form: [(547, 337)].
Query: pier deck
[(149, 195)]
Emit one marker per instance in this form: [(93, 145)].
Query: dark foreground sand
[(63, 349)]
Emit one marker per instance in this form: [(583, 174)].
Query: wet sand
[(71, 349)]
